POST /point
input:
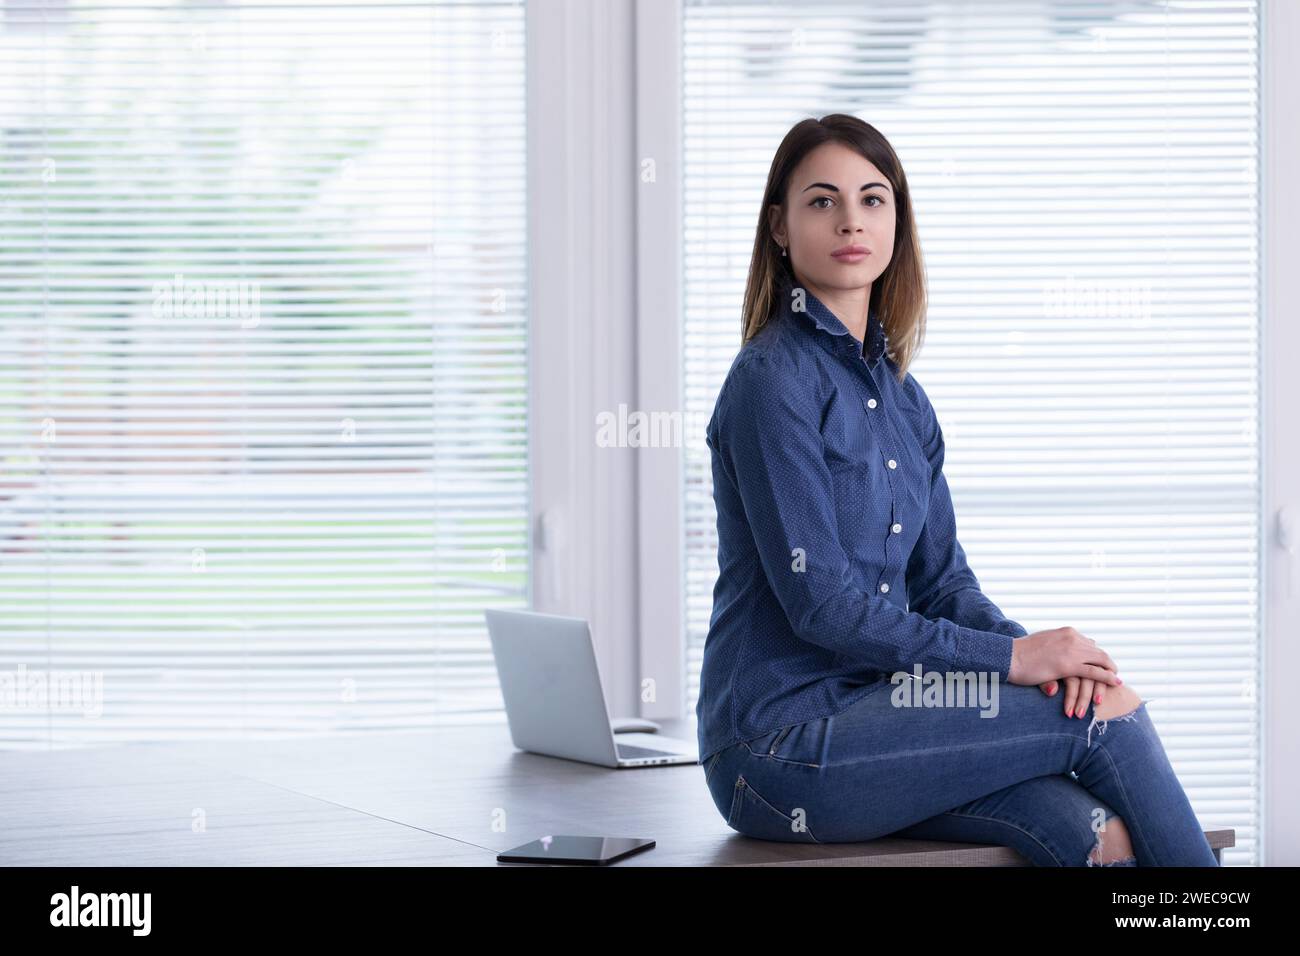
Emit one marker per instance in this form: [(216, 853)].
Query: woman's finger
[(1102, 676), (1100, 658), (1071, 695), (1085, 696)]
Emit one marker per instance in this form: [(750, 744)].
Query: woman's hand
[(1060, 652), (1077, 692)]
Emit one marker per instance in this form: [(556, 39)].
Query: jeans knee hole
[(1097, 855)]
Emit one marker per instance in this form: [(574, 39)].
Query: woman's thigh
[(891, 761)]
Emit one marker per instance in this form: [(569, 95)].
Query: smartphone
[(582, 850)]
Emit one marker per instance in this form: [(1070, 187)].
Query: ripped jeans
[(1028, 777)]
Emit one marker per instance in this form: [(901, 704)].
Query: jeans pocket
[(709, 765), (720, 769), (753, 816), (804, 744)]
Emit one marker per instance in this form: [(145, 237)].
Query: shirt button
[(892, 463), (884, 587), (871, 403), (897, 528)]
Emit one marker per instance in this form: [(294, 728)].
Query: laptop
[(555, 703)]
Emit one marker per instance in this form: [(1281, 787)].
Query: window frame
[(1279, 244)]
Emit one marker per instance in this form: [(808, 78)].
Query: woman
[(845, 605)]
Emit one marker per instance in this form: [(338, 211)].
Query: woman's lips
[(849, 256)]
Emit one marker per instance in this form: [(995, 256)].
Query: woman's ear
[(774, 225)]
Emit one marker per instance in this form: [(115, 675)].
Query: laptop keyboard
[(632, 750)]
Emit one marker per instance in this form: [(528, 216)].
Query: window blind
[(262, 377), (1085, 180)]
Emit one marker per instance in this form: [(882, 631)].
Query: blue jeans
[(1029, 778)]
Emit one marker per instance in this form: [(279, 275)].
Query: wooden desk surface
[(454, 796)]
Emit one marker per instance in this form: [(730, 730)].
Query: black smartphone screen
[(588, 850)]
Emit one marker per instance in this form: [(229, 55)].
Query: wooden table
[(454, 796)]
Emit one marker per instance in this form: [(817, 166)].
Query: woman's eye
[(878, 200)]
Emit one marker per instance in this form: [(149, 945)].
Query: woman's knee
[(1118, 701), (1113, 844)]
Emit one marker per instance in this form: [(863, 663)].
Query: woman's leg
[(887, 763), (1050, 821)]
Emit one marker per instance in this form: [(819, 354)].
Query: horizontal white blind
[(262, 376), (1084, 176)]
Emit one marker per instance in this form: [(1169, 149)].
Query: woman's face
[(836, 198)]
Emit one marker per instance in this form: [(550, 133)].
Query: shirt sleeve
[(770, 445), (940, 583)]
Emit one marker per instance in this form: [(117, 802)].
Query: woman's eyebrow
[(837, 188)]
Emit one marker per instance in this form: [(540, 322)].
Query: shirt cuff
[(1010, 627), (984, 651)]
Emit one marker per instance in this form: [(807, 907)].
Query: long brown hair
[(898, 295)]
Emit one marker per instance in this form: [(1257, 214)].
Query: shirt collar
[(824, 320)]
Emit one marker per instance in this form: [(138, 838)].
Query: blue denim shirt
[(838, 555)]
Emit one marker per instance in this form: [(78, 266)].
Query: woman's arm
[(770, 449)]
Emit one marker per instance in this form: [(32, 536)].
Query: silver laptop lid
[(550, 681)]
